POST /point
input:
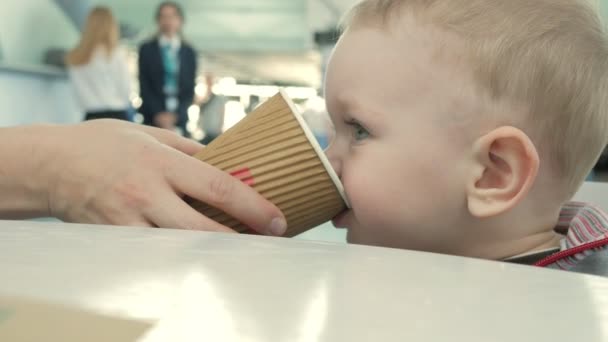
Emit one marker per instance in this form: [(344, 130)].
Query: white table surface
[(221, 287)]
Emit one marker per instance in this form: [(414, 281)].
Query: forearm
[(25, 156)]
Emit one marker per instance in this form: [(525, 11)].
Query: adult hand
[(165, 120), (115, 172)]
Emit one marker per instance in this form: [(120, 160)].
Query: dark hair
[(175, 5)]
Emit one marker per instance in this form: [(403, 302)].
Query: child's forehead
[(410, 27), (409, 43), (413, 77), (399, 57)]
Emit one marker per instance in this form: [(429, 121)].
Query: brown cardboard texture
[(273, 151)]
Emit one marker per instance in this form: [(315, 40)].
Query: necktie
[(170, 66)]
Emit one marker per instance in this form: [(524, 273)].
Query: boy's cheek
[(368, 209)]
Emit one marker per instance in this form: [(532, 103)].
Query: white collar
[(174, 41)]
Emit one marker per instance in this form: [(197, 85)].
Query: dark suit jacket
[(152, 80)]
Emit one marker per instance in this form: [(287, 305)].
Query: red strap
[(551, 259)]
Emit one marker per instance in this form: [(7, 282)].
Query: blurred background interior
[(246, 50)]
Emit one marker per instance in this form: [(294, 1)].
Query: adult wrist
[(58, 167), (28, 152)]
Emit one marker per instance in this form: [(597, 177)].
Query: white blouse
[(104, 83)]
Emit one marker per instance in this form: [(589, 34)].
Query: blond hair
[(100, 29), (549, 55)]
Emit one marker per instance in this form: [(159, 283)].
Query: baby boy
[(464, 127)]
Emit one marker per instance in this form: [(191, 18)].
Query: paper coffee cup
[(273, 151)]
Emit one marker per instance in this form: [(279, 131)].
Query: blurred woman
[(98, 68)]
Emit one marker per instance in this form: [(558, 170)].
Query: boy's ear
[(505, 168)]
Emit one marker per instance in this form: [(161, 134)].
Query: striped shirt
[(586, 230)]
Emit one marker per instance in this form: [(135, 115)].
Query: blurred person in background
[(167, 67), (98, 69), (213, 109)]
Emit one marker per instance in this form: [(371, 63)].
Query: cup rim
[(315, 144)]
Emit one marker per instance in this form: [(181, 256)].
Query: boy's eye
[(359, 132)]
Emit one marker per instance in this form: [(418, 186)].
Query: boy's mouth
[(339, 220)]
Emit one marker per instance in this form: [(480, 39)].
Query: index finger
[(218, 189)]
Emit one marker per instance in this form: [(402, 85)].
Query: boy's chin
[(354, 238), (349, 237), (342, 219), (346, 220)]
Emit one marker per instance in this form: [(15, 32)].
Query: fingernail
[(278, 226)]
